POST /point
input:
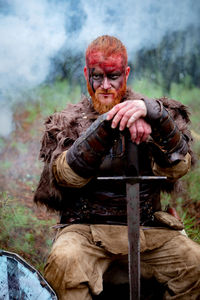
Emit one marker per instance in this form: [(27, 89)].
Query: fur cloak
[(63, 128)]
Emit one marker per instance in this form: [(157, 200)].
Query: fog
[(33, 32)]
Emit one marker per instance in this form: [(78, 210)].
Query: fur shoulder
[(63, 128), (178, 109)]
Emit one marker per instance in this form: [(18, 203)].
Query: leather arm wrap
[(86, 154), (165, 132)]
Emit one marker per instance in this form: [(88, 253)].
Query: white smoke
[(30, 36), (139, 24), (32, 32), (6, 125)]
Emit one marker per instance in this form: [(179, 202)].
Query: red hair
[(108, 46)]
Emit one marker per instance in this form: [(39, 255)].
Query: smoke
[(6, 120), (33, 32), (30, 34), (139, 24)]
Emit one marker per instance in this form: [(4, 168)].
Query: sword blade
[(133, 217)]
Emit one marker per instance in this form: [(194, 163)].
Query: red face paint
[(112, 62), (106, 80)]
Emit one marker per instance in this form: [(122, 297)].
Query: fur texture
[(63, 128)]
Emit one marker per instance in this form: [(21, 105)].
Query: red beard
[(102, 108)]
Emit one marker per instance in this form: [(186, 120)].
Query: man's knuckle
[(120, 114), (124, 119), (116, 107), (127, 114), (140, 129), (149, 131)]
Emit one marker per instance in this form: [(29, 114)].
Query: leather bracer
[(165, 132), (86, 154)]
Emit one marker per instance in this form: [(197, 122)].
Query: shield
[(20, 281)]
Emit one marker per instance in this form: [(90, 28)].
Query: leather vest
[(105, 202)]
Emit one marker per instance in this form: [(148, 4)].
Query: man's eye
[(97, 76), (113, 76)]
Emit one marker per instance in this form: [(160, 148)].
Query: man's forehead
[(110, 63)]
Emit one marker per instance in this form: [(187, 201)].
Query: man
[(99, 136)]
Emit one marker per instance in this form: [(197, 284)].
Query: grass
[(2, 143), (190, 227), (22, 232), (191, 181), (147, 88), (189, 97), (20, 147), (49, 98), (5, 165)]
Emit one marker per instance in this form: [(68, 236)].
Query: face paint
[(97, 58), (91, 78), (106, 81)]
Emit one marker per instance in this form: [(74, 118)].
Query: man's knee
[(67, 256), (64, 267), (187, 249)]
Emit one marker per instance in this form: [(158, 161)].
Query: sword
[(133, 220)]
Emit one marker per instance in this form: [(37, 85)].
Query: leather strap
[(165, 132), (87, 152)]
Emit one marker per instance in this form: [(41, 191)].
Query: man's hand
[(130, 114), (140, 131)]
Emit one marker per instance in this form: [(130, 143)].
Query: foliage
[(22, 232), (46, 99), (191, 182), (175, 59), (190, 227), (188, 96), (189, 220), (55, 97), (2, 143)]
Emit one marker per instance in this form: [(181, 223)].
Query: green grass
[(20, 147), (147, 88), (22, 232), (47, 99), (2, 143), (189, 97), (5, 165), (190, 227), (192, 180), (55, 97)]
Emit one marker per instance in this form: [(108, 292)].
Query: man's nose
[(106, 83)]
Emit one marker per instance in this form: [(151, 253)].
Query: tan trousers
[(82, 253)]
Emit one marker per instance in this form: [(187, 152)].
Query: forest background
[(41, 70)]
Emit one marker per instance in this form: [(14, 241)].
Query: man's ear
[(127, 72), (85, 73)]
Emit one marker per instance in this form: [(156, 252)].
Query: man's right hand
[(140, 131), (124, 114), (130, 114)]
